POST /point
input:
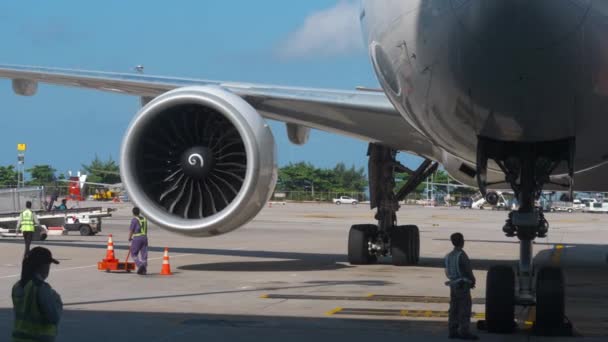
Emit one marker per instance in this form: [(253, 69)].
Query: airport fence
[(13, 199), (309, 196)]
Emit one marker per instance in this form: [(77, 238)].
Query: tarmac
[(285, 276)]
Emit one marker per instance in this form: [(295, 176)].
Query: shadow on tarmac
[(308, 284), (268, 266), (118, 326), (296, 261)]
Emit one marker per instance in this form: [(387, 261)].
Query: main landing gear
[(527, 167), (366, 242)]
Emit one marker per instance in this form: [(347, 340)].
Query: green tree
[(304, 177), (8, 176), (100, 171), (349, 180), (41, 174)]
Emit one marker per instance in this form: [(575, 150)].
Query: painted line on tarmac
[(396, 313), (556, 256), (370, 297), (89, 266), (334, 311), (531, 317)]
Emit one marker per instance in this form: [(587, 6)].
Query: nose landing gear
[(527, 167)]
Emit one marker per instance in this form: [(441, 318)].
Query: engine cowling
[(199, 161)]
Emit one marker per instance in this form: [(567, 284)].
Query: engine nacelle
[(492, 197), (199, 161)]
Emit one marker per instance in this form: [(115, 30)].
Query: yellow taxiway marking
[(395, 312), (531, 317), (371, 297), (557, 255), (480, 315), (336, 310)]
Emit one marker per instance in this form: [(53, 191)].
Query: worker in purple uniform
[(138, 236)]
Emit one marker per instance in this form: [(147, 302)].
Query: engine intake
[(199, 161)]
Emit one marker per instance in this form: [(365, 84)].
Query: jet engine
[(199, 161), (492, 197)]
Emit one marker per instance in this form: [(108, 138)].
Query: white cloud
[(331, 32)]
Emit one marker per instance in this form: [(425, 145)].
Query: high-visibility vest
[(27, 221), (30, 323), (143, 226), (452, 268)]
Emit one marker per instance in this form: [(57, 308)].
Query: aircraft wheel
[(500, 300), (550, 302), (358, 244), (405, 245)]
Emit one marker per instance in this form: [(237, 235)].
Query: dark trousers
[(139, 251), (460, 309), (27, 237)]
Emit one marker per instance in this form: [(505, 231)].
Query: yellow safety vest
[(143, 226), (27, 221), (30, 323)]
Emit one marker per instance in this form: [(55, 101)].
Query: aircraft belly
[(512, 71)]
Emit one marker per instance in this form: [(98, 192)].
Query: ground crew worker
[(461, 281), (138, 236), (37, 306), (27, 225), (63, 205)]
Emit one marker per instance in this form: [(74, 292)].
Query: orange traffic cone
[(110, 252), (166, 269)]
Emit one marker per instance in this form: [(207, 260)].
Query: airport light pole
[(21, 148)]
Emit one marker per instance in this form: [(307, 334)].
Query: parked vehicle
[(564, 206), (466, 203), (345, 200), (596, 206)]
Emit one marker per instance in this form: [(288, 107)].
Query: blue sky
[(271, 41)]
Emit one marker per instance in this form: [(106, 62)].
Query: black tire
[(358, 239), (355, 203), (500, 299), (338, 203), (550, 301), (405, 245), (85, 230)]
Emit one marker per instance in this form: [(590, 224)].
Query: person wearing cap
[(27, 223), (37, 306), (138, 236), (460, 280)]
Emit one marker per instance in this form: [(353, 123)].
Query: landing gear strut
[(367, 242), (527, 167)]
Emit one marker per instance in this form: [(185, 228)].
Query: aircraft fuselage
[(522, 71)]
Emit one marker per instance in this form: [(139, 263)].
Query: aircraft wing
[(361, 114)]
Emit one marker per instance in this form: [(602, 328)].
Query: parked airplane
[(501, 93)]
